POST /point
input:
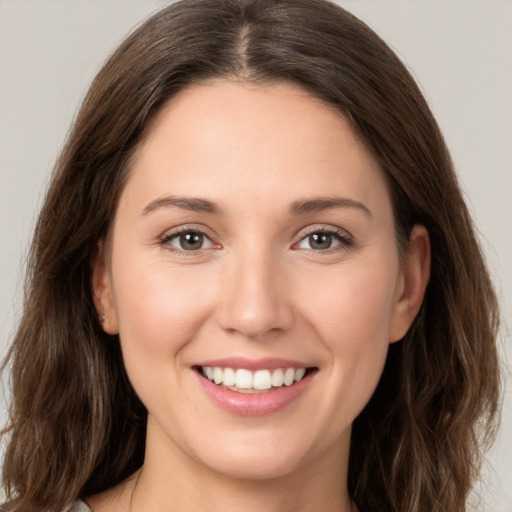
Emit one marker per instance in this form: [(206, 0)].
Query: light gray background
[(459, 50)]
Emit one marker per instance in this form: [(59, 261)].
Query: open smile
[(254, 388), (243, 380)]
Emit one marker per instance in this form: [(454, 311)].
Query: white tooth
[(217, 375), (299, 374), (249, 391), (229, 377), (289, 376), (243, 379), (262, 380), (278, 378), (209, 372)]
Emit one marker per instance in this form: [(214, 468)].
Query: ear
[(413, 283), (102, 291)]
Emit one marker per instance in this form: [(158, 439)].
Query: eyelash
[(167, 238), (340, 235), (344, 239)]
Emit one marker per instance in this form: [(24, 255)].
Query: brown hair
[(76, 425)]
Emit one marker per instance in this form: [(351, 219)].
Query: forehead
[(224, 138)]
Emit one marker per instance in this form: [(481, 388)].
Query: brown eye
[(320, 241), (191, 241), (188, 241), (324, 240)]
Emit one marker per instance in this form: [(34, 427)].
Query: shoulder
[(77, 506)]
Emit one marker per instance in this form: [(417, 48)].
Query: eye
[(324, 240), (188, 240)]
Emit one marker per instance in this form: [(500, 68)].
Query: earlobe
[(102, 292), (415, 277)]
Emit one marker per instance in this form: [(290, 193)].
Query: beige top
[(77, 506)]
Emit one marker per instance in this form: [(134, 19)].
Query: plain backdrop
[(459, 51)]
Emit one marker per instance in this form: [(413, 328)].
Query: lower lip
[(254, 404)]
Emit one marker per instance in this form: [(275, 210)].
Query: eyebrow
[(317, 204), (299, 207), (194, 204)]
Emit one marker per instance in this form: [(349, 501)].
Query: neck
[(172, 477)]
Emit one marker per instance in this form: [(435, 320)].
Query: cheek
[(353, 308), (159, 308), (352, 318)]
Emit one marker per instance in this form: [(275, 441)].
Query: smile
[(243, 380), (247, 387)]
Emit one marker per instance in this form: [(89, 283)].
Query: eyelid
[(343, 236), (172, 233)]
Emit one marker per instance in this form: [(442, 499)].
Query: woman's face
[(253, 245)]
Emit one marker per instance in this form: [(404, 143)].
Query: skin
[(256, 288)]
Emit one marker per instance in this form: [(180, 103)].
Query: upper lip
[(267, 363)]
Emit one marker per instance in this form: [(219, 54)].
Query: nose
[(255, 299)]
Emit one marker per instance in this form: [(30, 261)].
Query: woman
[(254, 282)]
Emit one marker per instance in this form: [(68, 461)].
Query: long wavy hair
[(77, 427)]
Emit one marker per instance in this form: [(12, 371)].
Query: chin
[(256, 455), (259, 454), (258, 468)]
